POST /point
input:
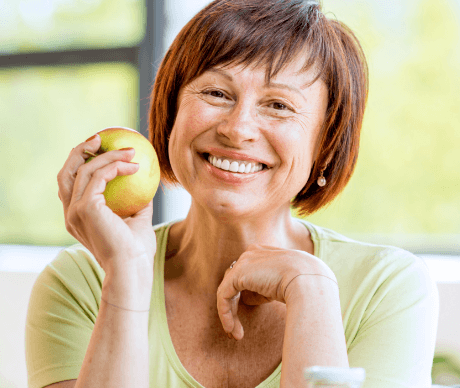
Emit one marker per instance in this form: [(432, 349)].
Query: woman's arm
[(117, 355), (314, 334)]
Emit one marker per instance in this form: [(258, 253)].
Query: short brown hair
[(271, 33)]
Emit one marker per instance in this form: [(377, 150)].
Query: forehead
[(293, 71)]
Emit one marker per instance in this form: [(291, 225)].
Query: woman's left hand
[(262, 275)]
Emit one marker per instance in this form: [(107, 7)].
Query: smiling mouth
[(235, 167)]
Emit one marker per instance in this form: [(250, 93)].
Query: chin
[(227, 210)]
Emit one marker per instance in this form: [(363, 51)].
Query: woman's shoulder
[(76, 258), (329, 243), (375, 278), (73, 273), (354, 259)]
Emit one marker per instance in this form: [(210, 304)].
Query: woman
[(257, 106)]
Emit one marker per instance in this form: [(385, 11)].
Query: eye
[(214, 93), (279, 106)]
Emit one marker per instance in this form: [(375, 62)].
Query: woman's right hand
[(122, 247)]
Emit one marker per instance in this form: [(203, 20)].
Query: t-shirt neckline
[(163, 321)]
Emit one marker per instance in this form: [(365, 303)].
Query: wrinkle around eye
[(185, 99), (302, 123)]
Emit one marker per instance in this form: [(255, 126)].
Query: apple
[(126, 195)]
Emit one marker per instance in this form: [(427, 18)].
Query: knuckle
[(71, 217), (68, 227), (82, 168), (119, 164), (242, 260), (98, 173), (83, 208), (219, 290)]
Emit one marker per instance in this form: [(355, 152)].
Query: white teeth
[(225, 165), (238, 167), (234, 166)]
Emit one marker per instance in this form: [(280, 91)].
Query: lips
[(229, 177), (235, 166)]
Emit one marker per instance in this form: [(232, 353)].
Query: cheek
[(199, 118), (186, 126), (195, 115), (295, 145), (191, 121)]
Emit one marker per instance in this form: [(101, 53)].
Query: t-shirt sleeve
[(395, 342), (62, 311)]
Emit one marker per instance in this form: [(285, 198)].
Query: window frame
[(145, 56)]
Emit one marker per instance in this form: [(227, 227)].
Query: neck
[(202, 247)]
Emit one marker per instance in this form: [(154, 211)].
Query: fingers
[(75, 175), (67, 175), (95, 175), (228, 298), (92, 196)]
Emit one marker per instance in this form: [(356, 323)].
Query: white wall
[(15, 288)]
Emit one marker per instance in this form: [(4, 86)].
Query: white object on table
[(332, 377)]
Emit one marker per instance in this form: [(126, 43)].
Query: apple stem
[(89, 153)]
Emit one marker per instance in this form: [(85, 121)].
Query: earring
[(321, 180)]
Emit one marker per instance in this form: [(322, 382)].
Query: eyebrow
[(267, 85)]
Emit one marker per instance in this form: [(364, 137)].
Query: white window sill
[(26, 258)]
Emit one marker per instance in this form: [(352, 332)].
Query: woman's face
[(231, 114)]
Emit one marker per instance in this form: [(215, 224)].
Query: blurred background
[(69, 68)]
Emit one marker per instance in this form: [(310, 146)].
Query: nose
[(239, 125)]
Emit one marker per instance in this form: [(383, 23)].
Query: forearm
[(314, 333), (117, 355)]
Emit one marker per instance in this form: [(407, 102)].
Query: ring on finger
[(231, 265)]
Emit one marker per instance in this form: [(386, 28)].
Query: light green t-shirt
[(389, 305)]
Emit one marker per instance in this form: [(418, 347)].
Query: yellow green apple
[(127, 194)]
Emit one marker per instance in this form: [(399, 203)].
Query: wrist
[(305, 286), (130, 289)]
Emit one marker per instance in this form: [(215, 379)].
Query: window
[(72, 67), (68, 68), (405, 189)]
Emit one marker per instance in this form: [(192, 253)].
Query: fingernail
[(126, 149), (91, 138)]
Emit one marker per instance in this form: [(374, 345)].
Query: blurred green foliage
[(31, 25), (407, 179), (44, 113)]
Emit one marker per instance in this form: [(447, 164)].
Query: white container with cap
[(333, 377)]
